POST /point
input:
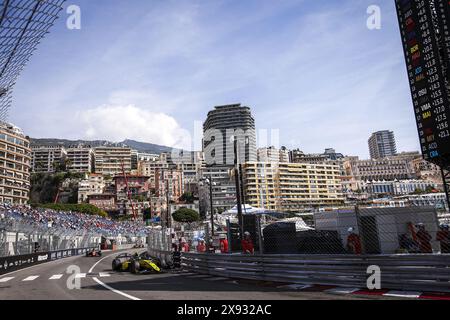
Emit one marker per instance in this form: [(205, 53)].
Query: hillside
[(139, 146)]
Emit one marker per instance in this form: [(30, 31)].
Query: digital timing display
[(425, 35)]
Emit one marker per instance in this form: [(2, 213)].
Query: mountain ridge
[(143, 147)]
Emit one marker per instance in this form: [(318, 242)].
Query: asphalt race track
[(98, 282)]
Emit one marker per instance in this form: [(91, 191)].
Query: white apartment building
[(150, 167), (292, 186), (109, 160), (80, 159), (15, 164), (272, 154), (388, 169), (46, 159), (92, 184), (402, 187)]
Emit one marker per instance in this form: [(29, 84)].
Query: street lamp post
[(210, 184), (238, 188), (211, 204)]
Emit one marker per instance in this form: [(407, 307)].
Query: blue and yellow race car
[(136, 263)]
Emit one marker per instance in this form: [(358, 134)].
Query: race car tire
[(134, 267), (115, 265)]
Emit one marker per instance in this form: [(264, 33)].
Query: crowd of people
[(46, 219)]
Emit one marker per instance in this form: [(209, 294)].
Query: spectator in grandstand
[(353, 242), (424, 239), (43, 219), (443, 236), (247, 244)]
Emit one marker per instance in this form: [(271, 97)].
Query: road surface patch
[(56, 277), (216, 279), (295, 286), (198, 276)]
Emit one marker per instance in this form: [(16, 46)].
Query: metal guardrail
[(403, 272)]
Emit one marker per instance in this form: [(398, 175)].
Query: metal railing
[(403, 272)]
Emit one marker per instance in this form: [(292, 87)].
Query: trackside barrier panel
[(403, 272), (13, 263)]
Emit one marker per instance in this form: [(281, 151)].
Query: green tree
[(187, 197), (81, 208), (186, 215)]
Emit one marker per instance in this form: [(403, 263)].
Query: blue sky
[(149, 70)]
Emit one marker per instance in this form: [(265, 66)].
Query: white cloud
[(117, 123)]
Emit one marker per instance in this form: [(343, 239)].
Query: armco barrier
[(13, 263), (402, 272), (166, 257)]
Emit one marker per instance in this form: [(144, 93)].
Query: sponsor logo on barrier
[(17, 262)]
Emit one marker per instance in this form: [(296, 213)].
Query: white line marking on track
[(56, 277), (103, 274), (80, 275), (108, 287), (30, 278), (403, 294), (6, 279), (342, 290), (95, 264), (115, 291)]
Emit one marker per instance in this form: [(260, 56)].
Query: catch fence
[(357, 231)]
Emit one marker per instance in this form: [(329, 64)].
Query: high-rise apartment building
[(109, 160), (223, 189), (222, 124), (47, 159), (292, 186), (15, 164), (80, 159), (272, 154), (382, 145), (169, 183), (151, 166)]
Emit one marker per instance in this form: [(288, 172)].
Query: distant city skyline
[(310, 69)]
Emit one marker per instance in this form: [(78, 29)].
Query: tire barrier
[(13, 263)]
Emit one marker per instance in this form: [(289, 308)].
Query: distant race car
[(94, 253), (136, 263), (138, 245)]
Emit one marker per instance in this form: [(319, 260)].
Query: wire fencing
[(352, 231)]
